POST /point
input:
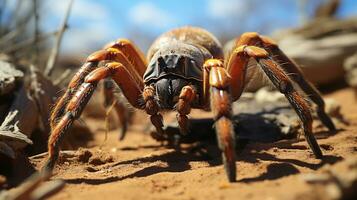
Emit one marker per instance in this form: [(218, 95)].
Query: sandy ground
[(139, 168)]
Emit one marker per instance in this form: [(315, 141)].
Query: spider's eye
[(191, 64), (172, 64), (181, 65), (192, 69), (161, 62)]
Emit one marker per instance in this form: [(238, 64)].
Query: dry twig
[(54, 53), (35, 188)]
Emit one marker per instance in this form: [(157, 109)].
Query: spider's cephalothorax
[(185, 68), (173, 66)]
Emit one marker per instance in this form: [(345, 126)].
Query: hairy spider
[(185, 68)]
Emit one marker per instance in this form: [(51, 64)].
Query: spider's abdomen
[(189, 35)]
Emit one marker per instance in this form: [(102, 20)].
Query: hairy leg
[(59, 109), (183, 107), (134, 55), (220, 101), (152, 108), (122, 51), (282, 82), (73, 108), (292, 70), (296, 74)]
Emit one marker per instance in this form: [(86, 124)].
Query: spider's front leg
[(217, 79), (183, 107), (152, 108), (82, 85)]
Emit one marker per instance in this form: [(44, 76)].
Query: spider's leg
[(282, 82), (236, 68), (183, 107), (296, 74), (71, 112), (111, 101), (233, 76), (129, 55), (152, 108), (292, 70), (122, 77), (59, 108), (130, 83), (220, 101), (132, 53), (122, 51)]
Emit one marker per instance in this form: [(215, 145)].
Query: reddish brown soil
[(139, 168)]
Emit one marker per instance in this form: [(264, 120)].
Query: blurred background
[(94, 23)]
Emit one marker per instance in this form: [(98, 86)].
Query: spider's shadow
[(176, 161), (179, 161), (282, 167), (202, 131)]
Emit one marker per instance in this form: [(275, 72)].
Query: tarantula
[(185, 68)]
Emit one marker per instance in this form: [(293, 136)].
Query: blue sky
[(94, 23)]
